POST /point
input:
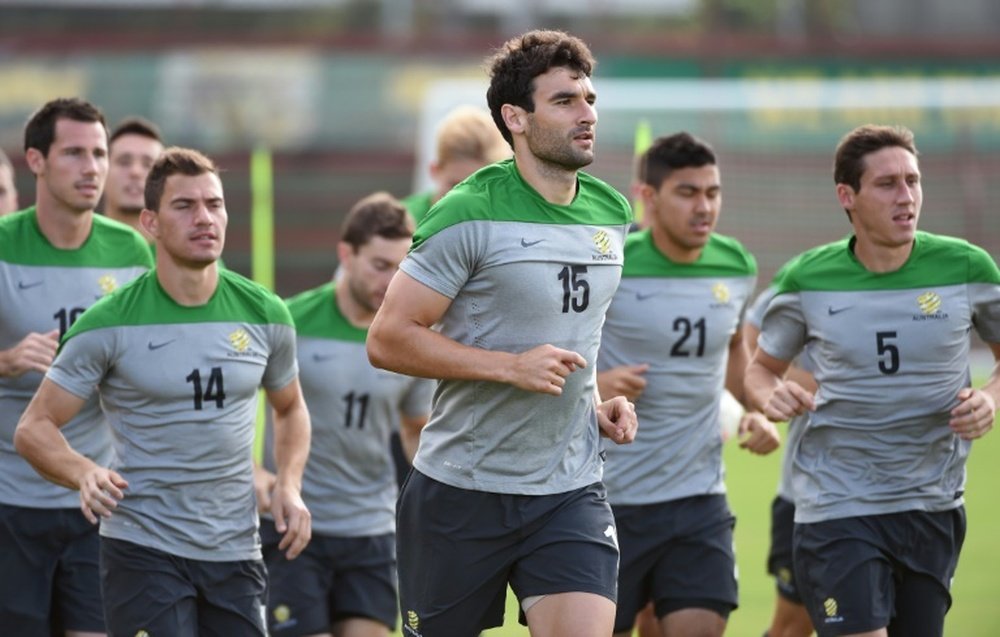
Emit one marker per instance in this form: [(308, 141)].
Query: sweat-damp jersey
[(678, 318), (44, 288), (179, 387), (891, 353), (349, 483), (521, 272)]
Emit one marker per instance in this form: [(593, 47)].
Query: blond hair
[(468, 132)]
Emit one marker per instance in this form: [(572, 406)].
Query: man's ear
[(515, 117), (35, 160), (149, 221), (846, 194), (345, 252)]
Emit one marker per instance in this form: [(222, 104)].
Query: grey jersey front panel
[(515, 286), (349, 483), (889, 372), (755, 317), (682, 328), (41, 299), (187, 461)]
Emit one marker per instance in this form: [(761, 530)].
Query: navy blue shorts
[(458, 550), (677, 554), (333, 579), (779, 559), (866, 573), (48, 572), (163, 594)]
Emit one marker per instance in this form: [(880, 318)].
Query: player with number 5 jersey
[(177, 357), (878, 475)]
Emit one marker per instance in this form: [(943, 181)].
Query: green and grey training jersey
[(349, 483), (891, 353), (521, 272), (678, 318), (44, 288), (179, 387)]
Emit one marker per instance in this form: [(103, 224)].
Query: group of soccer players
[(570, 447)]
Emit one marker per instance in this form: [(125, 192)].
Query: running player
[(879, 472), (177, 357), (790, 618), (466, 140), (516, 266), (673, 343), (56, 259), (134, 145), (344, 583)]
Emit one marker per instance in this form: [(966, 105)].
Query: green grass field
[(752, 481)]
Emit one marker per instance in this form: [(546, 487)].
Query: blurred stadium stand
[(335, 88)]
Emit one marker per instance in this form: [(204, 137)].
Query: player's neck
[(673, 250), (188, 285), (354, 312), (555, 184), (64, 228), (880, 258)]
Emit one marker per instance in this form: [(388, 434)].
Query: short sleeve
[(783, 327), (282, 364), (83, 361)]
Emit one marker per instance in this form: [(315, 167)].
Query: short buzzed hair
[(174, 161), (377, 215), (670, 153)]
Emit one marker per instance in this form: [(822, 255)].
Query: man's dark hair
[(377, 215), (174, 161), (849, 160), (136, 126), (670, 153), (516, 64), (40, 131)]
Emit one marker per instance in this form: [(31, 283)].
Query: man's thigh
[(48, 555), (678, 554), (146, 590)]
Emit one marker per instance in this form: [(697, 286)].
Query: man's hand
[(263, 485), (625, 380), (292, 519), (617, 420), (757, 434), (788, 401), (544, 369), (100, 491), (974, 415), (34, 353)]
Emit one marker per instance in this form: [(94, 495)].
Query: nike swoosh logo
[(527, 244), (832, 311), (153, 345), (639, 296), (320, 358), (21, 285)]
